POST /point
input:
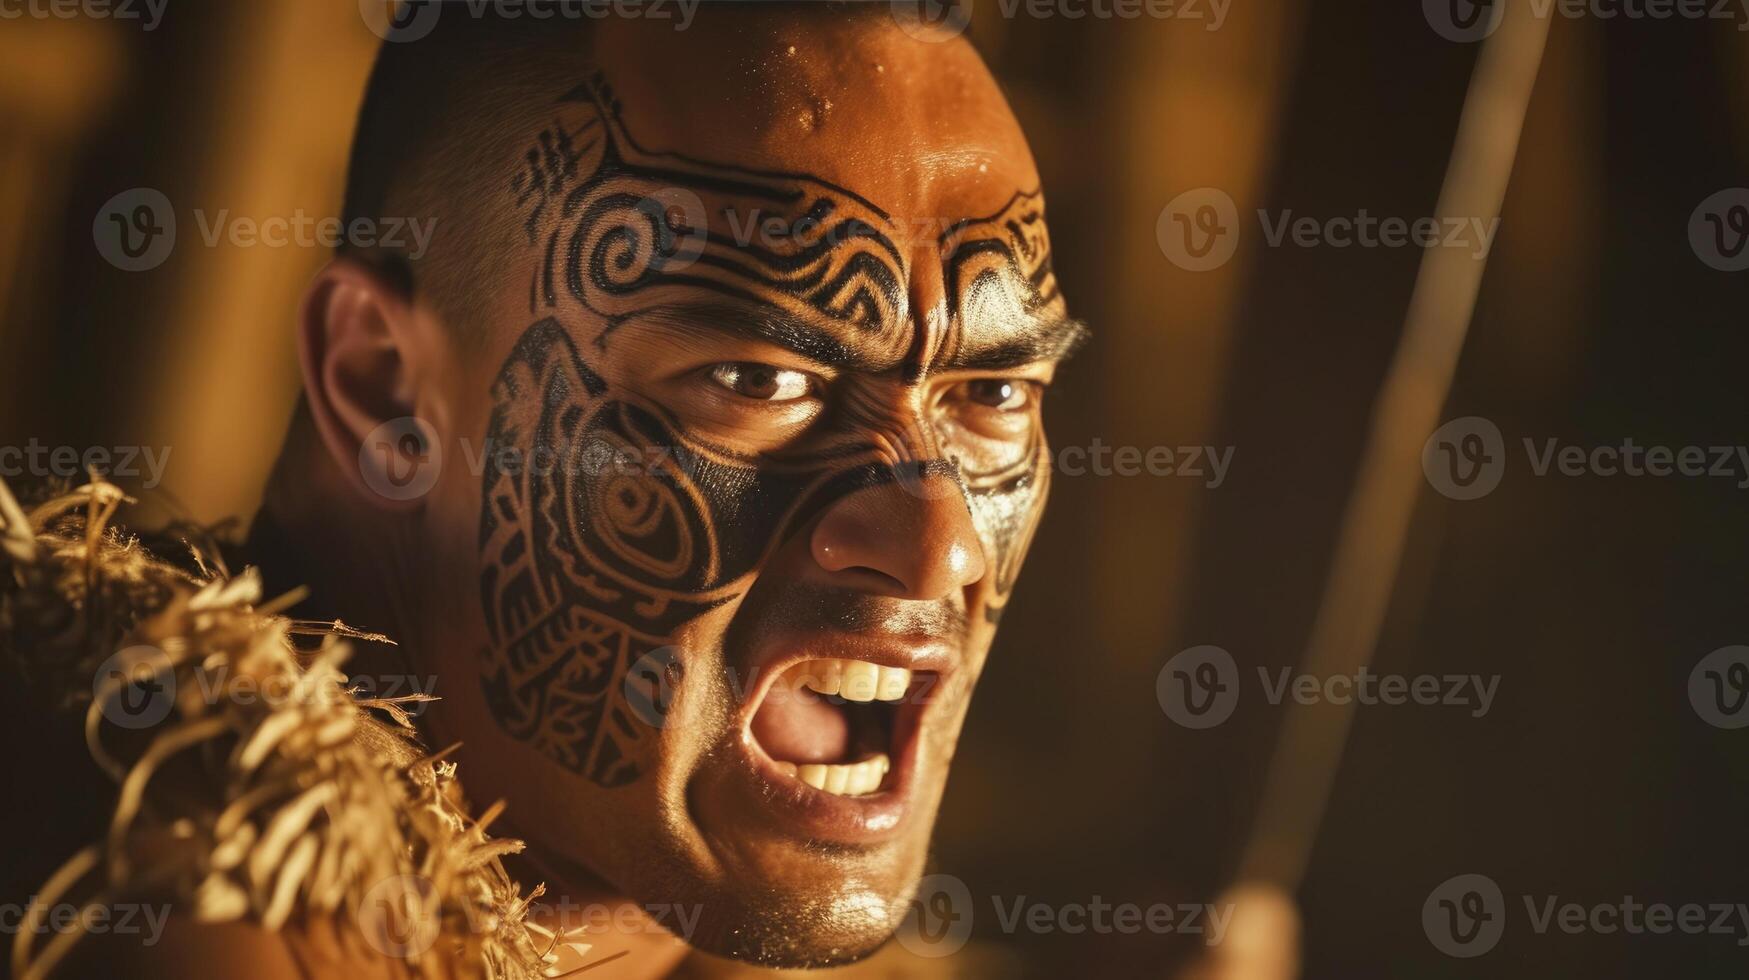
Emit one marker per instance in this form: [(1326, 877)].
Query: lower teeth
[(856, 779)]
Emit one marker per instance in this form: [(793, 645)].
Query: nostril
[(885, 580), (841, 561)]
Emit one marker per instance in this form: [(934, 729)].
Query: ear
[(370, 362)]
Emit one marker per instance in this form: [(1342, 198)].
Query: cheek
[(666, 516), (1005, 516)]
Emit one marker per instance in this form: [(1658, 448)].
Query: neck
[(314, 532), (594, 925)]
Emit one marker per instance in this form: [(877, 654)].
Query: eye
[(762, 382), (999, 393)]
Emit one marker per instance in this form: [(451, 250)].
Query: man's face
[(762, 455)]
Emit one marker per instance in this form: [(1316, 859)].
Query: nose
[(906, 540)]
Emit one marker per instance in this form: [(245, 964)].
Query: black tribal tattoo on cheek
[(589, 565)]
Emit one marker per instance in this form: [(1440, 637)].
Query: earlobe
[(367, 358)]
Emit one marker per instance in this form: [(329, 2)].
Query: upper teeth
[(855, 680)]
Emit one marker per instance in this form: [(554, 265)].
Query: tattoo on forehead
[(605, 526), (635, 227)]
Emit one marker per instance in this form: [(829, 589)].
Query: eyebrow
[(1043, 339), (767, 325), (1048, 339)]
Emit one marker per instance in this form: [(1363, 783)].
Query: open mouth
[(838, 725)]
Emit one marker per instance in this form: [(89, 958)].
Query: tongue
[(795, 725)]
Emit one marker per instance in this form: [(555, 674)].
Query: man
[(696, 459)]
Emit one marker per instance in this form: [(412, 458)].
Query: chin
[(779, 896), (811, 926), (852, 930)]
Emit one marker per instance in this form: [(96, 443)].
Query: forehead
[(841, 174), (855, 101)]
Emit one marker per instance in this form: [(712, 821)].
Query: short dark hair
[(438, 123)]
